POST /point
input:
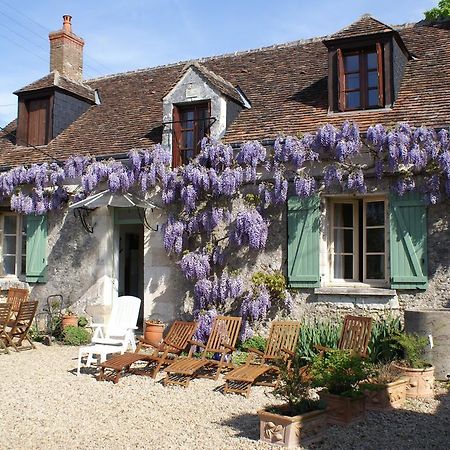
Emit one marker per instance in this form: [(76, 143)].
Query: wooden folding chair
[(5, 317), (221, 343), (355, 335), (177, 339), (15, 297), (20, 326), (280, 344)]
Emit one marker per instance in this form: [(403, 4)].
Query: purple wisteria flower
[(173, 236), (195, 265), (305, 186), (250, 229)]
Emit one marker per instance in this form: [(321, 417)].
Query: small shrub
[(256, 341), (239, 357), (82, 321), (274, 282), (76, 336), (340, 371), (411, 347), (296, 390)]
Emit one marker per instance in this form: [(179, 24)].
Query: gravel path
[(45, 406)]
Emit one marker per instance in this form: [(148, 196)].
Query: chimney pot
[(67, 23)]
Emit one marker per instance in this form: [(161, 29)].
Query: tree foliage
[(442, 11)]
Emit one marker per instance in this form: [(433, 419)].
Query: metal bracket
[(143, 217), (84, 215)]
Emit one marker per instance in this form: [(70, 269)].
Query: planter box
[(420, 381), (293, 431), (344, 410), (383, 397)]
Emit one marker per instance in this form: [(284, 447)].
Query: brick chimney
[(66, 51)]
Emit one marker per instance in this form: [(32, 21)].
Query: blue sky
[(122, 35)]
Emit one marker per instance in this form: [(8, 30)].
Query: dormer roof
[(365, 25), (215, 81), (55, 80)]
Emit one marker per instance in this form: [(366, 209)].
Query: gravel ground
[(45, 406)]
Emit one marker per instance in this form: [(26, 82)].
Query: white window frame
[(358, 253), (19, 238)]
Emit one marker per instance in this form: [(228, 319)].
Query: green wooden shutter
[(303, 242), (408, 242), (36, 258)]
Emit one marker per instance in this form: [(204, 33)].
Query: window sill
[(359, 111), (355, 291)]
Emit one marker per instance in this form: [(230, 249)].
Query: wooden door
[(37, 121)]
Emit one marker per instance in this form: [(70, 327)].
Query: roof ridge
[(212, 57)]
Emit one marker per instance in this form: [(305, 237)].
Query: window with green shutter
[(408, 242), (303, 242), (36, 252)]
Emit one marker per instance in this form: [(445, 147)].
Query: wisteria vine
[(224, 198)]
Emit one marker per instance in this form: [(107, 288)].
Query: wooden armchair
[(280, 344), (221, 343), (355, 335), (5, 317), (20, 326), (164, 354), (15, 297)]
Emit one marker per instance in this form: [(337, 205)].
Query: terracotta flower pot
[(382, 397), (153, 332), (344, 410), (67, 321), (289, 432), (420, 381)]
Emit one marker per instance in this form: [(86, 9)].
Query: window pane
[(373, 97), (188, 139), (352, 99), (374, 213), (351, 63), (187, 155), (9, 264), (375, 267), (375, 240), (187, 119), (352, 81), (343, 267), (24, 265), (343, 215), (343, 241), (372, 60), (10, 224), (372, 79), (9, 245)]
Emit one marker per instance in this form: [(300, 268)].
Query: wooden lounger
[(221, 342), (164, 354), (20, 326), (281, 344)]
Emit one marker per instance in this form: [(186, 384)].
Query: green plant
[(68, 312), (295, 389), (275, 283), (340, 371), (315, 333), (82, 321), (412, 348), (239, 357), (256, 341), (76, 336), (381, 375), (380, 348)]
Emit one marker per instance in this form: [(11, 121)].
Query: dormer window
[(360, 75), (191, 125)]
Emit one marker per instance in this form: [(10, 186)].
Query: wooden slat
[(15, 297), (356, 334)]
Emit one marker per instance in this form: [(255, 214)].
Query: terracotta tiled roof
[(54, 79), (286, 85), (365, 25)]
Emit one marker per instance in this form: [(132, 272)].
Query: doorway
[(131, 262)]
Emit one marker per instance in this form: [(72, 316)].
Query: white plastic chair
[(121, 325), (116, 335)]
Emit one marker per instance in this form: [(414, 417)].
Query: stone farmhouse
[(340, 253)]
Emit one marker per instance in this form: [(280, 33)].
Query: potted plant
[(420, 373), (301, 419), (153, 331), (385, 388), (340, 372), (69, 318)]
